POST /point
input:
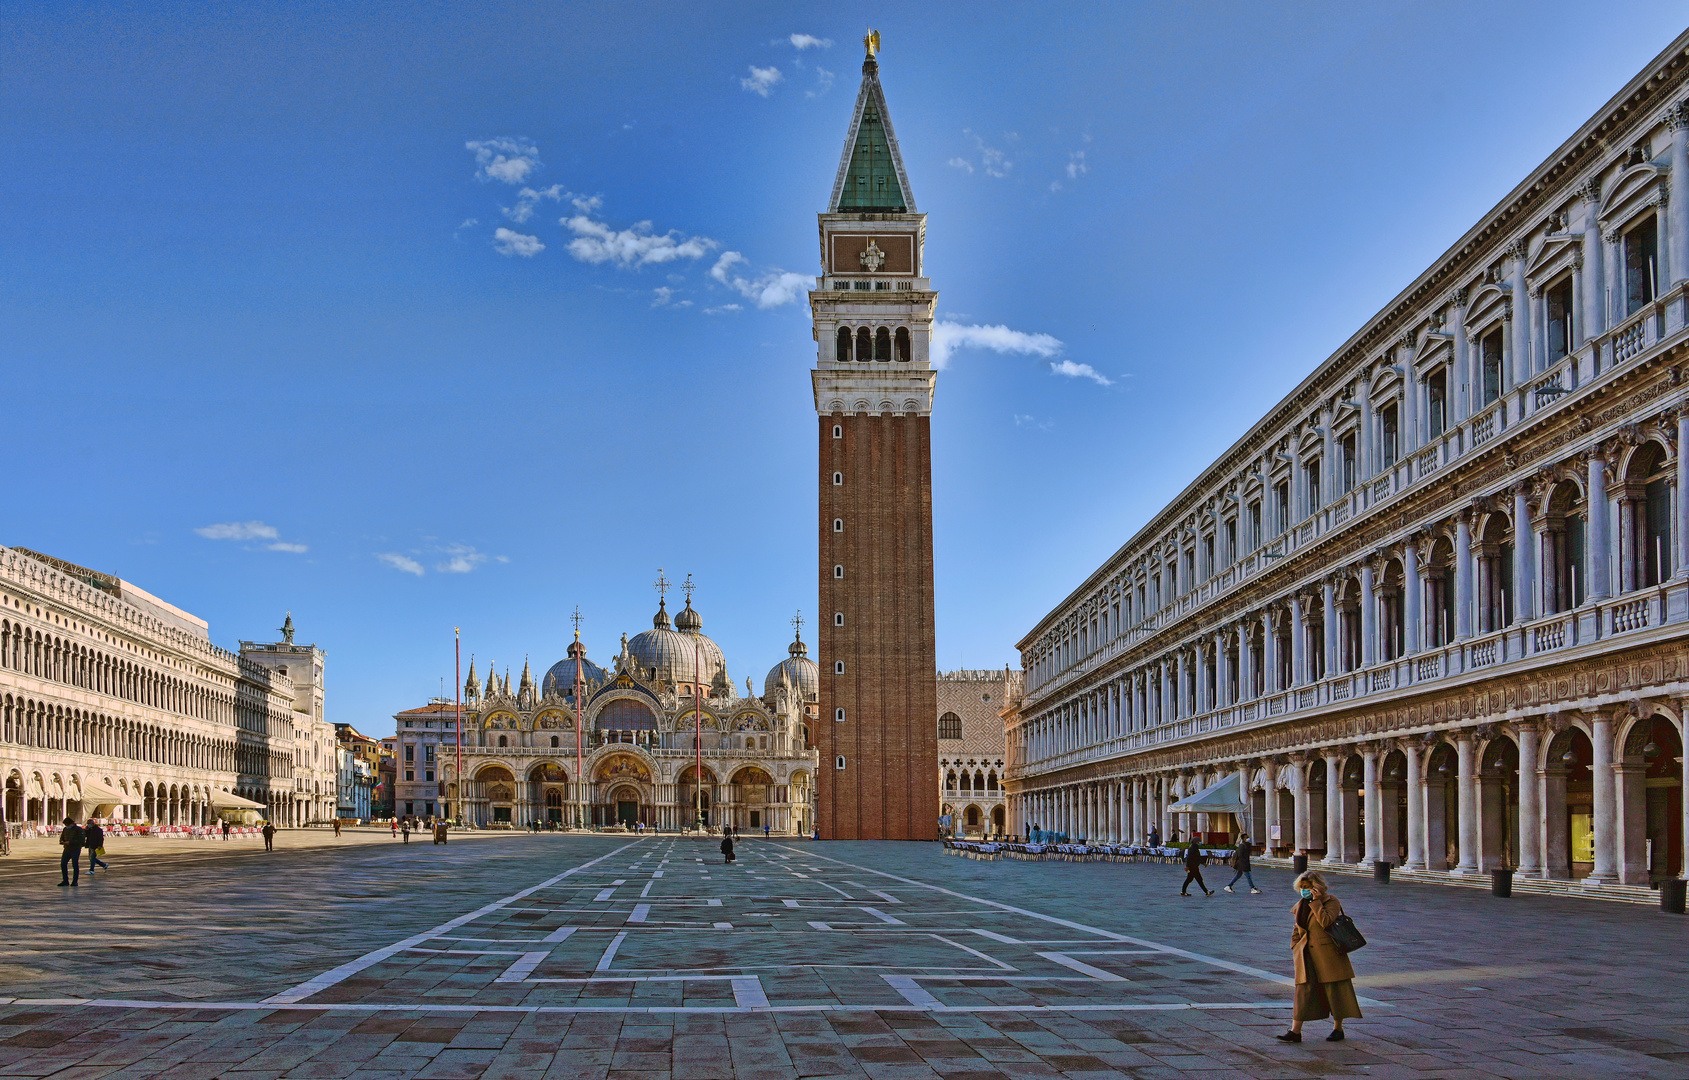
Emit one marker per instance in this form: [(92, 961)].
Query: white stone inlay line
[(887, 897), (748, 993), (790, 903), (724, 926), (994, 936), (605, 894), (819, 925), (345, 971), (912, 992), (883, 917), (559, 934), (522, 968), (610, 952), (1082, 967), (639, 912)]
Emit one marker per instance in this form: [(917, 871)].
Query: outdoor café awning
[(223, 800), (97, 794), (1222, 798)]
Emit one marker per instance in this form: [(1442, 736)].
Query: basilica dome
[(801, 673), (681, 655), (561, 677)]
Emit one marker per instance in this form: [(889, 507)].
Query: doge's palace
[(1432, 608)]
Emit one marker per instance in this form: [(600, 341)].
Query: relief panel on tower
[(857, 253)]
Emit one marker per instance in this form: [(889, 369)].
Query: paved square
[(537, 956)]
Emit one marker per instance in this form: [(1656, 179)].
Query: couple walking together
[(1240, 863)]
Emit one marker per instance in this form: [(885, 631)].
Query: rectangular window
[(1281, 499), (1641, 266), (1231, 541), (1348, 449), (1254, 525), (1489, 351), (410, 774), (410, 723), (410, 752), (1437, 402), (1559, 303), (1190, 569), (1391, 440), (1316, 496), (428, 753), (1208, 556), (428, 774)]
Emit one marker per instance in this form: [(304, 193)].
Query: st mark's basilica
[(665, 712)]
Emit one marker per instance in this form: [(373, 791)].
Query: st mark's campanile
[(873, 309)]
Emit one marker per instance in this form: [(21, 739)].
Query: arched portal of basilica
[(632, 749)]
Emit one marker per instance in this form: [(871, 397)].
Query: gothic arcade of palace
[(1433, 608), (644, 727)]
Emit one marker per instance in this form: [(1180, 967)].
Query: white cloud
[(282, 545), (1080, 371), (596, 242), (400, 562), (506, 159), (239, 530), (1076, 166), (1055, 185), (768, 290), (823, 82), (506, 242), (722, 310), (586, 204), (948, 336), (809, 41), (1023, 420), (661, 295), (460, 559), (995, 162), (467, 223), (762, 80), (961, 163), (528, 198)]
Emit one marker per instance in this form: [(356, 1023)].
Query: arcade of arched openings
[(1433, 608), (116, 704)]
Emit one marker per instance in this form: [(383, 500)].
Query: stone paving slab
[(547, 956)]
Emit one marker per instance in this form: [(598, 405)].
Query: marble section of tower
[(873, 311)]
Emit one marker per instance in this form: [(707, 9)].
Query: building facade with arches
[(1433, 608), (630, 750), (114, 703), (970, 750)]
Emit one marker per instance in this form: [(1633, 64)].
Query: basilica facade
[(661, 738)]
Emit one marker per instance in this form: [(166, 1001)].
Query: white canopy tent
[(224, 800), (1225, 797), (96, 797)]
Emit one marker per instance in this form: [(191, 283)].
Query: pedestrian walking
[(394, 822), (766, 830), (269, 832), (70, 857), (1154, 836), (1324, 977), (407, 830), (1193, 871), (95, 839), (1240, 863), (337, 826), (225, 830), (727, 846)]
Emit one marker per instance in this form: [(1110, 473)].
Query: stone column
[(1594, 311), (1467, 802), (1416, 807), (1524, 556), (1298, 645), (1269, 652), (1263, 833), (1246, 660), (1599, 585), (1328, 596), (1374, 796), (1333, 805), (1299, 803), (1519, 326), (1412, 594), (1677, 203), (1682, 530), (1605, 809), (1369, 617), (1531, 823), (1462, 576)]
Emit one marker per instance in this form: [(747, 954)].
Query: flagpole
[(457, 681), (580, 713)]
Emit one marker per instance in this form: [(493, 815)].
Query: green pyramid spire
[(871, 177)]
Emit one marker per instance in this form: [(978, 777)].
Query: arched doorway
[(623, 779), (751, 793), (695, 800), (1650, 794), (623, 805), (1441, 795), (1568, 803), (550, 784), (494, 797), (1498, 805)]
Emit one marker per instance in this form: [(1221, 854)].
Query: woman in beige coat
[(1324, 978)]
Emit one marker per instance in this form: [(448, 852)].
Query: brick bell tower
[(873, 309)]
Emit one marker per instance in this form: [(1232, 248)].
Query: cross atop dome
[(797, 626)]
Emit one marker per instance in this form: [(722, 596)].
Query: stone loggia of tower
[(873, 314)]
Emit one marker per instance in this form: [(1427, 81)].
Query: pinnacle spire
[(871, 176)]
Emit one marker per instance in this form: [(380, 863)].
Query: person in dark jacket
[(95, 840), (1193, 871), (1240, 863), (1325, 983), (70, 857), (727, 847), (1154, 836), (269, 832)]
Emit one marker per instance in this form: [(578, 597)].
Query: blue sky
[(265, 347)]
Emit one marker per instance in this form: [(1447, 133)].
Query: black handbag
[(1345, 935)]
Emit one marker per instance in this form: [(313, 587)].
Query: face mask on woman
[(1307, 894)]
